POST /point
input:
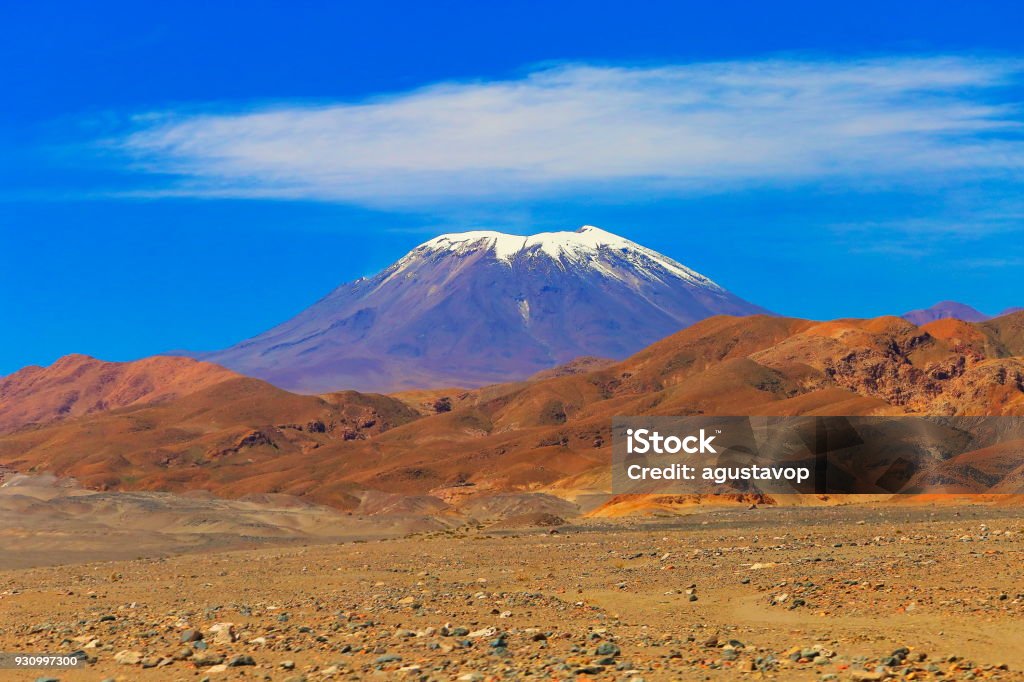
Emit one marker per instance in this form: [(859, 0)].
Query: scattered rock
[(127, 657)]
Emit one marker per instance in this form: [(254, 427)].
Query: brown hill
[(551, 434), (206, 440), (77, 385), (1006, 334)]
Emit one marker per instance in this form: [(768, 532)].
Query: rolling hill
[(78, 385), (243, 436)]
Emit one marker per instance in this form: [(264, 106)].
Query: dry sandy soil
[(46, 521), (847, 593)]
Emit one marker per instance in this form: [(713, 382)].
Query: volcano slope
[(483, 307), (241, 436)]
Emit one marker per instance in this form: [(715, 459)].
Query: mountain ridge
[(944, 310), (551, 434)]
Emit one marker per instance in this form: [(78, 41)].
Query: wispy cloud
[(994, 263), (691, 127)]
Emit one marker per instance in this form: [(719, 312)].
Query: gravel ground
[(841, 593)]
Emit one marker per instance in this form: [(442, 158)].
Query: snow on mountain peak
[(506, 246), (482, 307), (585, 247)]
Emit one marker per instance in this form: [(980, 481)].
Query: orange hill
[(78, 385), (552, 433)]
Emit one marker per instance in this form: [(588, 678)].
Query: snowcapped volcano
[(588, 248), (479, 307)]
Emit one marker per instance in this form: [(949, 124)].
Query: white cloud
[(692, 127)]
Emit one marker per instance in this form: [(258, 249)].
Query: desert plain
[(916, 591), (167, 519)]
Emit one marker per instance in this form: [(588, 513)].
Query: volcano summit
[(481, 307)]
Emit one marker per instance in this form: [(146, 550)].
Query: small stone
[(191, 636), (223, 633), (866, 676), (128, 657), (590, 670)]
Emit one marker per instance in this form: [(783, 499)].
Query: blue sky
[(184, 175)]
